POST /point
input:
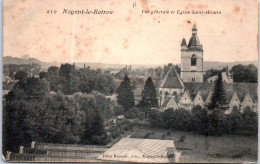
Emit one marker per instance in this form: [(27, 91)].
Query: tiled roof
[(183, 42), (172, 80), (240, 88)]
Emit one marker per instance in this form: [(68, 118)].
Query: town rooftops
[(172, 80), (142, 150)]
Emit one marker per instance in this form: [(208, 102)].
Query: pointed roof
[(166, 101), (198, 95), (183, 97), (234, 96), (194, 43), (172, 80), (194, 40), (183, 42), (172, 102), (247, 97), (194, 27)]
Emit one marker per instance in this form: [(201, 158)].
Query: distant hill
[(15, 60), (45, 65), (219, 65)]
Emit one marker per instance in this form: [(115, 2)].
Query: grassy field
[(199, 148)]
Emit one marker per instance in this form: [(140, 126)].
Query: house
[(233, 101), (185, 101), (198, 100), (142, 150), (226, 77), (247, 101)]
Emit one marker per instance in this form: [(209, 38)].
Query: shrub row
[(202, 121)]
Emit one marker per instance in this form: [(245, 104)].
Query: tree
[(20, 75), (155, 119), (234, 121), (242, 73), (43, 75), (218, 98), (217, 123), (149, 97), (125, 94)]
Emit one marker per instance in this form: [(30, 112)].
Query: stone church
[(188, 89)]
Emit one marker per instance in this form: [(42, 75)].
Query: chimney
[(84, 65)]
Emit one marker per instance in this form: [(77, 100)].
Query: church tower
[(192, 59)]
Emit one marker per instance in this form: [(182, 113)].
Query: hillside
[(45, 65)]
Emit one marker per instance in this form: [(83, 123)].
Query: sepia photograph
[(134, 81)]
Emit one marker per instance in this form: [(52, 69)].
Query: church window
[(193, 60)]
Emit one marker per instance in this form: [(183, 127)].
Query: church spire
[(194, 28)]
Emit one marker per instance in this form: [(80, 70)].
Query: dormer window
[(193, 60)]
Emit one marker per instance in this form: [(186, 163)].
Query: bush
[(234, 121), (196, 109), (199, 120), (216, 123), (168, 119), (182, 119), (155, 118), (134, 113), (250, 121)]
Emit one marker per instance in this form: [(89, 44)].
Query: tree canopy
[(218, 98), (149, 96), (125, 94)]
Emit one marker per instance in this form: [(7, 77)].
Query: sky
[(128, 36)]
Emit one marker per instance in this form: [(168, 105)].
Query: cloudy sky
[(128, 36)]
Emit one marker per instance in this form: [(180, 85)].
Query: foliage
[(212, 72), (43, 75), (70, 80), (168, 119), (243, 74), (31, 113), (218, 98), (250, 121), (20, 75), (182, 120), (125, 95), (31, 69), (133, 113), (199, 119), (149, 96), (216, 123), (155, 119), (234, 121)]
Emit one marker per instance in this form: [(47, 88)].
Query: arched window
[(193, 60)]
